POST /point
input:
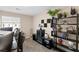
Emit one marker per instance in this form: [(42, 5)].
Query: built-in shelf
[(65, 21), (69, 17), (66, 24), (65, 38), (65, 47), (69, 32)]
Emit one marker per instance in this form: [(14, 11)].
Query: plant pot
[(53, 17), (73, 11), (65, 15), (60, 15)]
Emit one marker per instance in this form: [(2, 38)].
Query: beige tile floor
[(32, 46)]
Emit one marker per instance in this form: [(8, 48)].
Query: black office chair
[(20, 42), (16, 35), (19, 36)]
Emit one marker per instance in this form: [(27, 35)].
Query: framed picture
[(42, 21), (48, 20), (45, 24)]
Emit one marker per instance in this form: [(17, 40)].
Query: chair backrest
[(16, 33), (20, 42), (7, 29)]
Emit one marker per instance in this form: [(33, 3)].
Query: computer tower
[(40, 35)]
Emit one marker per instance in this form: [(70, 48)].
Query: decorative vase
[(60, 15), (73, 11), (60, 41)]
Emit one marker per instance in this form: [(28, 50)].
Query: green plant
[(65, 14), (53, 12), (59, 15)]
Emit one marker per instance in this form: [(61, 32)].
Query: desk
[(6, 38)]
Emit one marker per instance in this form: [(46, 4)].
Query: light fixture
[(18, 9)]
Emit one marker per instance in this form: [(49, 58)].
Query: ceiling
[(26, 10)]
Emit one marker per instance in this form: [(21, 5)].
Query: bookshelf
[(65, 33)]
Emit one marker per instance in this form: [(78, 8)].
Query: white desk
[(5, 39)]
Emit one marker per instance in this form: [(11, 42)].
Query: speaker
[(34, 37)]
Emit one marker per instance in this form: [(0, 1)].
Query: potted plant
[(59, 15), (53, 12), (65, 14)]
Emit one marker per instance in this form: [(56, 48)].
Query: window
[(11, 22)]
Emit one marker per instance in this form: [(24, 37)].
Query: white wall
[(26, 21), (43, 15), (37, 20), (0, 22)]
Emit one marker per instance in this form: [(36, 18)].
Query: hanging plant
[(53, 12)]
